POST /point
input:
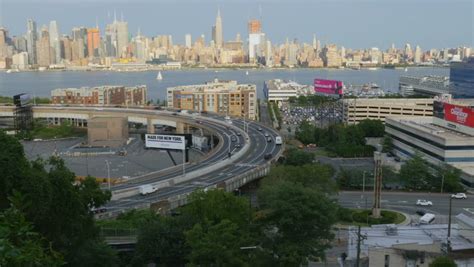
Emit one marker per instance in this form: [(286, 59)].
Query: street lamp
[(108, 171)]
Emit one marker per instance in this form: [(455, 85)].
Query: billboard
[(21, 100), (459, 114), (328, 86), (165, 141)]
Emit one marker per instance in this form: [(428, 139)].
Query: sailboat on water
[(159, 77)]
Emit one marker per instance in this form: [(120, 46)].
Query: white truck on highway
[(278, 140), (147, 189)]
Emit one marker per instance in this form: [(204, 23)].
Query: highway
[(254, 157), (405, 202), (212, 171)]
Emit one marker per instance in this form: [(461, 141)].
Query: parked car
[(459, 196), (422, 202)]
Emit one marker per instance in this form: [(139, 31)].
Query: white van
[(427, 218), (147, 189), (278, 140)]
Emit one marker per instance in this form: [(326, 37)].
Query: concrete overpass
[(217, 170)]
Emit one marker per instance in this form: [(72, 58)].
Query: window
[(387, 261)]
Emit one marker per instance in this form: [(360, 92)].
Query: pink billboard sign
[(328, 86)]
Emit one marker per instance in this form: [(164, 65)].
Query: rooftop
[(425, 124), (378, 236)]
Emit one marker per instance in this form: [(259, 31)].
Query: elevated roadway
[(245, 142)]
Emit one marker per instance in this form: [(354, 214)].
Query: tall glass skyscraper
[(461, 76)]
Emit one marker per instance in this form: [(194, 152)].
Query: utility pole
[(359, 239), (449, 225), (377, 185)]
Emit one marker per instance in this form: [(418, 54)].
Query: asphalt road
[(254, 157), (405, 202)]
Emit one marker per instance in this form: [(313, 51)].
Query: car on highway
[(239, 134), (237, 145), (267, 135), (233, 139), (259, 128), (227, 118), (459, 196), (422, 202), (269, 139), (268, 156)]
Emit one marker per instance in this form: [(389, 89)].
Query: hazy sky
[(355, 24)]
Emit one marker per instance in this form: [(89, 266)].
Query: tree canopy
[(57, 208)]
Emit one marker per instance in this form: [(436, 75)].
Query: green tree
[(298, 157), (218, 244), (372, 128), (20, 244), (387, 144), (306, 133), (161, 240), (296, 223), (215, 206), (443, 261), (57, 208), (415, 174), (451, 177), (310, 175)]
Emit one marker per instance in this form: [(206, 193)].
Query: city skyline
[(362, 16)]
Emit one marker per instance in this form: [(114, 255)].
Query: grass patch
[(52, 132), (364, 218)]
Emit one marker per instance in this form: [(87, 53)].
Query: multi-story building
[(43, 49), (461, 75), (20, 61), (223, 97), (31, 38), (330, 56), (93, 40), (280, 91), (54, 42), (218, 40), (427, 85), (358, 109), (101, 95), (447, 137)]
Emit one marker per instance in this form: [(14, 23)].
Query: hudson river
[(41, 83)]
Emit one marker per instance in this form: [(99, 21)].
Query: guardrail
[(164, 205)]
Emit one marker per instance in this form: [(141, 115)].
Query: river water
[(41, 83)]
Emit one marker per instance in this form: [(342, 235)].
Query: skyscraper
[(93, 42), (54, 42), (44, 49), (188, 40), (122, 38), (256, 40), (218, 40), (418, 52), (31, 38)]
